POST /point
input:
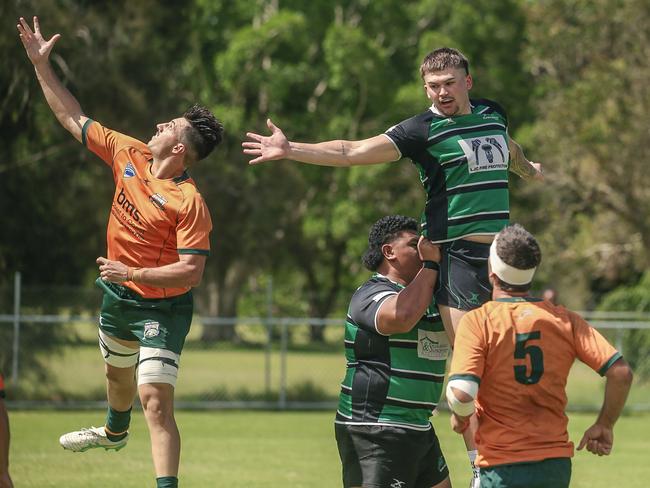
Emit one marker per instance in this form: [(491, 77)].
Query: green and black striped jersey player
[(390, 379), (396, 349), (463, 152)]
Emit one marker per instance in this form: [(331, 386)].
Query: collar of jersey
[(519, 299), (438, 114), (379, 275), (176, 179)]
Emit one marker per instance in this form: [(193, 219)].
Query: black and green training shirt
[(463, 165), (390, 380)]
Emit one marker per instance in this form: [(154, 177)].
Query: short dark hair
[(518, 248), (385, 230), (204, 133), (443, 58)]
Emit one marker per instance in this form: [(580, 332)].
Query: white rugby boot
[(84, 439)]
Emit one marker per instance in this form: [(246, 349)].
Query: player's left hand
[(112, 271), (540, 174), (459, 424), (598, 440)]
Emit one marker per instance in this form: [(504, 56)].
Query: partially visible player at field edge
[(513, 356), (5, 478), (396, 351), (158, 241), (463, 152)]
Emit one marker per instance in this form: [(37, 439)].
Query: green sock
[(117, 424), (167, 482)]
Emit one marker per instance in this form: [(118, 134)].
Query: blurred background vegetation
[(572, 74)]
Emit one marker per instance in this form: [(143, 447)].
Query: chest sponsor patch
[(158, 200), (485, 153), (433, 345)]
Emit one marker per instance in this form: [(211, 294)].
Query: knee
[(156, 410)]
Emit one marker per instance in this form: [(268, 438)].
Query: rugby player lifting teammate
[(158, 241), (396, 350), (463, 153)]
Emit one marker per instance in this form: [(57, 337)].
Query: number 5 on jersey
[(522, 349)]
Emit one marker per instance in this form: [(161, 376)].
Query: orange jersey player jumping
[(158, 241), (513, 356), (152, 220)]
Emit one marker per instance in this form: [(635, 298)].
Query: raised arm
[(399, 313), (599, 438), (65, 106), (520, 165), (375, 150)]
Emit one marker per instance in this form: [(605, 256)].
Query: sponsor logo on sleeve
[(129, 171)]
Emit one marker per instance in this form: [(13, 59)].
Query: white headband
[(507, 273)]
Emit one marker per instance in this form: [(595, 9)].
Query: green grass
[(266, 449), (226, 372)]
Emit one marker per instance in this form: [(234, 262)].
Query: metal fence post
[(16, 345), (282, 399), (269, 335)]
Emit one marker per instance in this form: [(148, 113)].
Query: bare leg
[(120, 387), (450, 319), (158, 405)]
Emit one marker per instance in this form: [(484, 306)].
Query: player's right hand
[(38, 49), (428, 250), (598, 440), (275, 146)]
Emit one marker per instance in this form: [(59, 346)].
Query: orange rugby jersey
[(520, 351), (151, 220)]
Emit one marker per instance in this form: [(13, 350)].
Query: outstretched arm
[(65, 106), (375, 150), (599, 438), (401, 312), (520, 165)]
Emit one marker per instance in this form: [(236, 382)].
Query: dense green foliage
[(571, 73)]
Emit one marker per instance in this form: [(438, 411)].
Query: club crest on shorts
[(151, 329), (129, 171)]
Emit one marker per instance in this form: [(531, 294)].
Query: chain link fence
[(50, 357)]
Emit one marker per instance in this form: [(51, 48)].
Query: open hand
[(38, 49), (275, 146)]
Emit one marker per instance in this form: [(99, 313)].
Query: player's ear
[(388, 252), (469, 81), (179, 148)]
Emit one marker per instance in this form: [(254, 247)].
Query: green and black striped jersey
[(463, 165), (390, 380)]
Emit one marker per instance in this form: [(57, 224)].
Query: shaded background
[(572, 74)]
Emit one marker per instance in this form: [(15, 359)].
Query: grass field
[(267, 449), (226, 373)]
